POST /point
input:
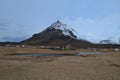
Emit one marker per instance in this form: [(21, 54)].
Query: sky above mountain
[(94, 20)]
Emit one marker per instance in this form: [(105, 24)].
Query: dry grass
[(12, 50), (115, 65), (92, 67)]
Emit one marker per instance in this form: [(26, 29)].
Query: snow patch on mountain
[(111, 40), (66, 30)]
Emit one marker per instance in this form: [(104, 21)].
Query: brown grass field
[(90, 67)]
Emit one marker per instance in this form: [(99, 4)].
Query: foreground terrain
[(91, 67)]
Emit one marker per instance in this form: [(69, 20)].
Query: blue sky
[(92, 19)]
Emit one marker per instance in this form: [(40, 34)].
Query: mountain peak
[(58, 21), (66, 30), (57, 24)]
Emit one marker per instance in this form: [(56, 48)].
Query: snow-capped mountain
[(55, 35), (66, 30), (107, 42), (111, 40)]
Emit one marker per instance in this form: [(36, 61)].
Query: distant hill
[(8, 43)]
